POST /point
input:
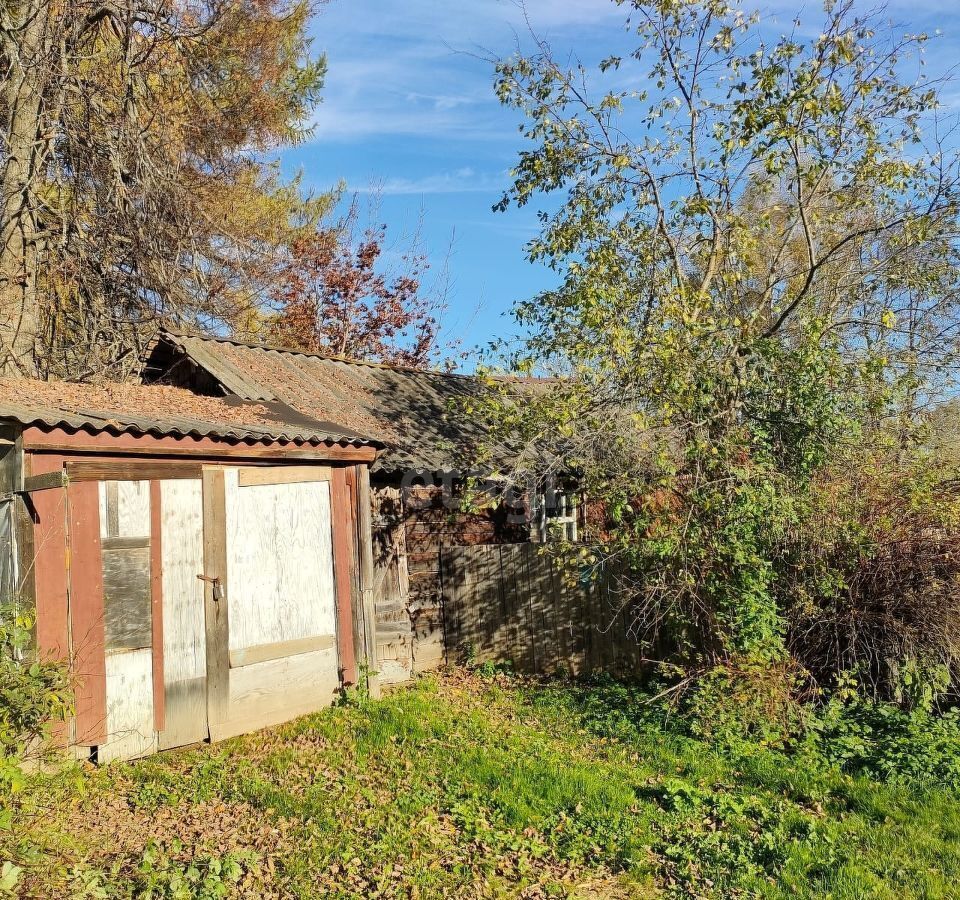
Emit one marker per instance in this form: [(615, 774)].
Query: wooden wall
[(410, 527), (120, 614), (280, 562), (180, 598), (112, 560), (281, 597), (391, 583), (515, 604)]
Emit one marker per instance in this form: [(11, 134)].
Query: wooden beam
[(87, 635), (130, 470), (47, 482), (367, 600), (342, 525), (260, 475), (249, 656), (216, 599), (37, 439), (156, 606), (126, 543), (356, 597)]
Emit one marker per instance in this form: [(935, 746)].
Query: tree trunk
[(25, 48)]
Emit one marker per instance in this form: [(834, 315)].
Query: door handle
[(217, 585)]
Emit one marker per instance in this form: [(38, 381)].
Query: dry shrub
[(743, 700), (875, 576)]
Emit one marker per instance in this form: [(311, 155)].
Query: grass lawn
[(466, 786)]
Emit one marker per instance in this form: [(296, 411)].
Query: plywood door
[(280, 599), (184, 641)]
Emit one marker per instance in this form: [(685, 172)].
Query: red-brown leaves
[(336, 296)]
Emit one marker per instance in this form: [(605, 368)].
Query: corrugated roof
[(162, 411), (407, 409)]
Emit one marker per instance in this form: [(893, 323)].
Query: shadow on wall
[(520, 605)]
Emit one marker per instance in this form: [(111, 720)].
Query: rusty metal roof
[(163, 411), (409, 410)]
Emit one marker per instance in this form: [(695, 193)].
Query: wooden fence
[(512, 603)]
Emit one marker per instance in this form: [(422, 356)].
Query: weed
[(486, 785)]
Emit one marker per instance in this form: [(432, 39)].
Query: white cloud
[(461, 181), (421, 67)]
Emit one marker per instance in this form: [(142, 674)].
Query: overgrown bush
[(871, 582), (34, 694), (748, 712), (737, 366), (747, 701), (746, 707)]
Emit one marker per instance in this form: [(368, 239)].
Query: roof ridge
[(276, 348)]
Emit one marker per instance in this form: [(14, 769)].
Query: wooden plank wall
[(431, 526), (45, 562), (279, 599), (514, 604), (125, 522), (107, 555), (391, 585), (87, 634)]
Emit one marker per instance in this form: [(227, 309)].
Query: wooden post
[(367, 603), (86, 614), (215, 597), (341, 523), (350, 516)]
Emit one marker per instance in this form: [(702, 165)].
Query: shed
[(416, 509), (204, 565)]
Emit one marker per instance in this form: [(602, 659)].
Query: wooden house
[(415, 500), (204, 564)]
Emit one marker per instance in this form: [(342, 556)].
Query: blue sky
[(409, 112)]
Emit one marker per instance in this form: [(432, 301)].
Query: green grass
[(481, 787)]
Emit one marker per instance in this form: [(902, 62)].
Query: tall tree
[(133, 186), (759, 256)]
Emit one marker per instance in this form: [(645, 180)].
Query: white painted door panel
[(280, 562), (125, 547), (184, 636)]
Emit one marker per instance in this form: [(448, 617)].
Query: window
[(125, 548), (556, 516)]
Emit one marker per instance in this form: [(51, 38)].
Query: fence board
[(513, 603)]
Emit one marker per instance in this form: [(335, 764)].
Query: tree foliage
[(338, 295), (759, 288), (135, 188)]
